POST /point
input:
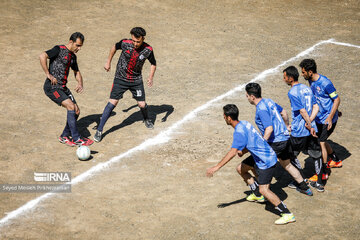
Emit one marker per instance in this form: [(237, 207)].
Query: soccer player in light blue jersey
[(269, 118), (262, 159), (328, 101), (303, 128)]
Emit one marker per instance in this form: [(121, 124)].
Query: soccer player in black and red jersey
[(128, 75), (62, 58)]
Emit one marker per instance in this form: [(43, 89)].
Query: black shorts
[(120, 86), (57, 95), (323, 133), (282, 149), (265, 175), (300, 144)]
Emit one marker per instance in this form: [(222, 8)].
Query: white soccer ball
[(83, 152)]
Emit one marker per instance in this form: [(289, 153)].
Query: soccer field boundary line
[(163, 137), (344, 44)]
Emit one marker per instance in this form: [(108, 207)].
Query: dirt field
[(203, 49)]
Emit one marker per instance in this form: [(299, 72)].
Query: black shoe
[(149, 124), (97, 136), (319, 187)]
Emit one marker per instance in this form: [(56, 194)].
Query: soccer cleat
[(149, 124), (285, 218), (292, 185), (313, 178), (317, 186), (306, 192), (98, 136), (253, 198), (84, 141), (333, 164), (67, 141)]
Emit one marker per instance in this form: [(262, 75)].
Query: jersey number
[(308, 103)]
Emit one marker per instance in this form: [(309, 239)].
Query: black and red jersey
[(61, 60), (131, 60)]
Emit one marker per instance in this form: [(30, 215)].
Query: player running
[(269, 119), (328, 101), (62, 58), (262, 159), (128, 75), (303, 127)]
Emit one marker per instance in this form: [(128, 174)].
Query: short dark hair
[(138, 32), (253, 89), (308, 64), (292, 71), (77, 35), (231, 110)]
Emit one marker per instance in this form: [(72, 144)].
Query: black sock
[(71, 120), (282, 208), (105, 116), (144, 112)]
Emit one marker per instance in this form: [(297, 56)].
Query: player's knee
[(238, 169), (113, 101), (262, 190), (70, 107), (141, 104)]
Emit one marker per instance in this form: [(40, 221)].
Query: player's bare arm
[(267, 132), (110, 57), (285, 117), (306, 117), (314, 112), (210, 171), (334, 108), (43, 62), (80, 86), (151, 75)]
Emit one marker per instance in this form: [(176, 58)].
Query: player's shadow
[(341, 152), (283, 177), (153, 111), (86, 121), (277, 188)]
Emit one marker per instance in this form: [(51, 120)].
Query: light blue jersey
[(268, 114), (301, 97), (325, 94), (246, 136)]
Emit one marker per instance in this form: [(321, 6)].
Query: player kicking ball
[(62, 58), (262, 159)]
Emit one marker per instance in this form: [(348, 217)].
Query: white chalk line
[(163, 136)]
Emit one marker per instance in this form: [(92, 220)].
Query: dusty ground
[(203, 49)]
